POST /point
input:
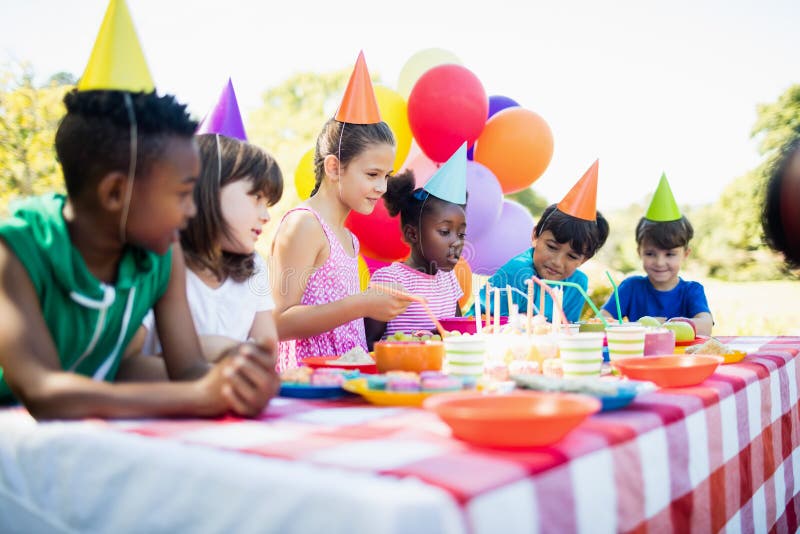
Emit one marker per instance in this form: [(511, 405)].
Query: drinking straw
[(616, 296), (583, 294), (415, 298), (544, 287), (478, 326)]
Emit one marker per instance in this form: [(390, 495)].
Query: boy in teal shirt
[(566, 235), (78, 273)]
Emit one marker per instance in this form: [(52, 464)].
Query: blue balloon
[(496, 103)]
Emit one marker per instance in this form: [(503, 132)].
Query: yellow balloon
[(304, 175), (363, 273), (419, 64), (394, 112)]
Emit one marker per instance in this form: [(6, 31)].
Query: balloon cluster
[(437, 106)]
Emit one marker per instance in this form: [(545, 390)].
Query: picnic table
[(723, 455)]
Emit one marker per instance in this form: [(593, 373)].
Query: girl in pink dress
[(319, 309)]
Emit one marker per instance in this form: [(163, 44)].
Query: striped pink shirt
[(442, 291)]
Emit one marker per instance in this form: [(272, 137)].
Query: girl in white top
[(227, 282)]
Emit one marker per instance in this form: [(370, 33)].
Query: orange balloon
[(516, 145), (464, 276)]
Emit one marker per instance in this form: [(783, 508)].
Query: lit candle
[(497, 310), (510, 299), (478, 326), (541, 302), (529, 314), (488, 303)]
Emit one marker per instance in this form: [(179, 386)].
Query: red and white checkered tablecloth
[(722, 455)]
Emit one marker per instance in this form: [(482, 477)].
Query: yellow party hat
[(117, 61)]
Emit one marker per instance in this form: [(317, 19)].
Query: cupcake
[(376, 382), (441, 383), (402, 384)]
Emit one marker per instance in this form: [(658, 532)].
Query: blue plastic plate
[(305, 391)]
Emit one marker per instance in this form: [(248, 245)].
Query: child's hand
[(384, 306), (245, 379)]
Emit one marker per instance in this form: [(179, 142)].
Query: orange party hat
[(359, 105), (581, 200)]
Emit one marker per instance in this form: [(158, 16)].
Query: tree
[(287, 125), (292, 115), (532, 200), (29, 116), (729, 238)]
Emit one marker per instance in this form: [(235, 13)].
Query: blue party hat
[(449, 182)]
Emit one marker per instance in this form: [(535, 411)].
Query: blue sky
[(645, 86)]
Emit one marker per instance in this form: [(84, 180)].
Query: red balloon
[(378, 234), (446, 107)]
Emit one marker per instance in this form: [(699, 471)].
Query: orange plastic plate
[(519, 419), (673, 371)]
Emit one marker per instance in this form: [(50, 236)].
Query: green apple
[(649, 321), (683, 330)]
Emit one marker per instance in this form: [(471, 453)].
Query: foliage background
[(728, 252)]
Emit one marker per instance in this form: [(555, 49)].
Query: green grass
[(739, 308), (754, 308)]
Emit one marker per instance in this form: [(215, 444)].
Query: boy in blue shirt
[(566, 236), (662, 237)]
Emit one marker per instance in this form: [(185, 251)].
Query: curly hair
[(93, 137), (400, 197)]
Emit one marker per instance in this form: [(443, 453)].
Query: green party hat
[(663, 207)]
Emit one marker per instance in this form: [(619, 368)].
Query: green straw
[(616, 296), (583, 294)]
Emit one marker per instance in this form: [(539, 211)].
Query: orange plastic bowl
[(519, 419), (674, 371), (416, 356)]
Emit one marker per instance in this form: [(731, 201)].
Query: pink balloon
[(446, 107), (484, 199), (423, 168), (507, 238)]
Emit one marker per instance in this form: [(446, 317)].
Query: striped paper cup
[(625, 342), (581, 354), (465, 355)]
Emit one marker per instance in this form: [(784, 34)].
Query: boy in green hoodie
[(79, 272)]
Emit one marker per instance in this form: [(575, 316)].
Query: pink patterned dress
[(335, 279)]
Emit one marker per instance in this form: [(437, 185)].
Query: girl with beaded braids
[(79, 272), (319, 308), (434, 225)]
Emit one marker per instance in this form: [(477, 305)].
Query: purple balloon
[(496, 103), (484, 199), (507, 238)]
